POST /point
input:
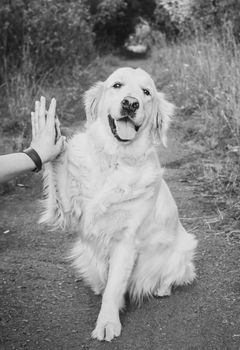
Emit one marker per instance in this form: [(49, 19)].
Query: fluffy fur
[(112, 191)]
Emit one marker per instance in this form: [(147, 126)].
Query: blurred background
[(191, 47)]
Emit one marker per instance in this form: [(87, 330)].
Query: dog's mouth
[(123, 129)]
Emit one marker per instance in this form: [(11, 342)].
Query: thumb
[(60, 144)]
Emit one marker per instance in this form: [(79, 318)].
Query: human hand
[(46, 135)]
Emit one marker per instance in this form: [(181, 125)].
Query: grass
[(203, 76), (21, 89)]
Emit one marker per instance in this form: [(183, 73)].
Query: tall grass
[(203, 76), (205, 79), (67, 84)]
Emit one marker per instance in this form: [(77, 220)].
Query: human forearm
[(14, 164)]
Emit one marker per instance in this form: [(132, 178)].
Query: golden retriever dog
[(108, 186)]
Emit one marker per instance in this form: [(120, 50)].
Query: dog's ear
[(91, 100), (162, 118)]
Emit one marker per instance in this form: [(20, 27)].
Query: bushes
[(215, 13), (46, 33), (114, 20), (184, 18), (171, 17), (40, 41), (109, 18)]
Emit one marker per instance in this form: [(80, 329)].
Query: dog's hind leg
[(163, 266), (89, 266)]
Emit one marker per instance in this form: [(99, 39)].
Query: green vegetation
[(202, 75)]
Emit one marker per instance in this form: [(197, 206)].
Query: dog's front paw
[(163, 291), (107, 330)]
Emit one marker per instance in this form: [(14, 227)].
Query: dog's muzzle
[(123, 129)]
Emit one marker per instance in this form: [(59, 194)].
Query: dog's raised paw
[(106, 330)]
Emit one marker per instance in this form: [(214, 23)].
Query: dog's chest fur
[(112, 188)]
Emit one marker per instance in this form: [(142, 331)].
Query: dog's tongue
[(125, 129)]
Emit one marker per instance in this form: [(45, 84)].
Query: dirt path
[(44, 307)]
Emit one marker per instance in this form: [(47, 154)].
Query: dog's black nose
[(130, 104)]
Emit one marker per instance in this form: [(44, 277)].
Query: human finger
[(33, 126), (51, 114), (36, 121), (42, 113), (57, 128)]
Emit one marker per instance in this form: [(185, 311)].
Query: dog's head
[(129, 106)]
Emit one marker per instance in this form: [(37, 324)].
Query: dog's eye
[(146, 92), (117, 85)]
